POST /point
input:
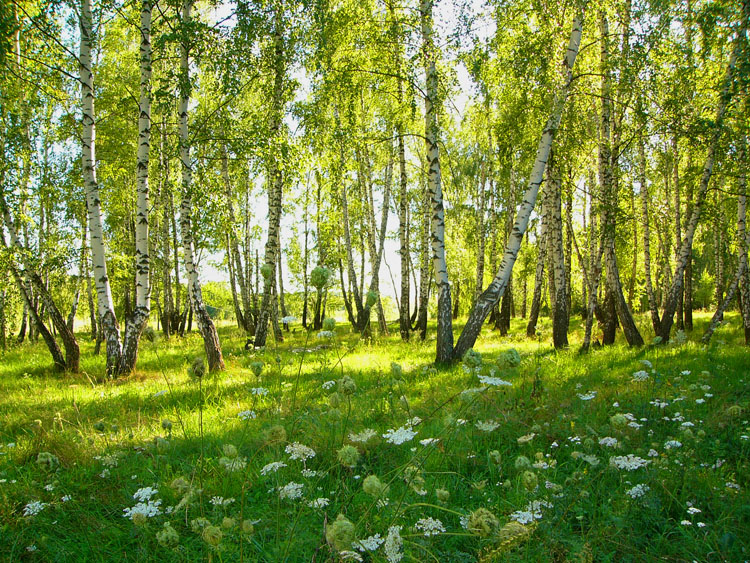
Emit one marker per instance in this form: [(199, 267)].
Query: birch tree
[(105, 304), (275, 178), (136, 323), (434, 183), (490, 297)]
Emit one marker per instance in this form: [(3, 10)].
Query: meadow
[(326, 447)]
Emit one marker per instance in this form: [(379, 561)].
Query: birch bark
[(494, 292), (105, 305)]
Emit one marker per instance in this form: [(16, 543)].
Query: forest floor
[(620, 455)]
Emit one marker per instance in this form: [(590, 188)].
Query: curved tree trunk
[(494, 292)]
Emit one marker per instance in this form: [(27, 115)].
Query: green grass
[(110, 440)]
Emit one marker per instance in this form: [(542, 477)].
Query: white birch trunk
[(135, 325), (444, 345), (105, 304), (495, 291), (275, 188)]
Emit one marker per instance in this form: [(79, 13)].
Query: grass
[(109, 439)]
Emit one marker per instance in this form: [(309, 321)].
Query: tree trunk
[(742, 232), (541, 258), (444, 344), (403, 236), (276, 183), (168, 313), (197, 307), (678, 226), (136, 323), (103, 291), (646, 234), (608, 165), (494, 292), (560, 313), (425, 268), (234, 248), (685, 247)]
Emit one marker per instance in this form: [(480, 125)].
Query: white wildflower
[(628, 462), (429, 441), (669, 444), (318, 503), (640, 376), (148, 509), (393, 544), (494, 381), (369, 544), (299, 451), (33, 508), (259, 391), (608, 441), (272, 467), (291, 491), (487, 425), (363, 436), (637, 491), (400, 435), (145, 494), (526, 438), (587, 396), (247, 415), (329, 384), (429, 526)]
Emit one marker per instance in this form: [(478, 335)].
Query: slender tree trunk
[(403, 234), (481, 238), (608, 165), (305, 256), (678, 226), (652, 305), (276, 182), (103, 291), (282, 302), (560, 313), (742, 232), (233, 286), (168, 313), (136, 323), (536, 299), (494, 292), (688, 278), (206, 326), (81, 272), (234, 248), (444, 344), (3, 320), (425, 268)]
